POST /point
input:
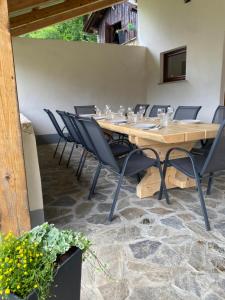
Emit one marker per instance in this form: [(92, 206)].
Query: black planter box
[(67, 281), (121, 36)]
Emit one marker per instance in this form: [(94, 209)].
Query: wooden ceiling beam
[(15, 5), (64, 15), (38, 14)]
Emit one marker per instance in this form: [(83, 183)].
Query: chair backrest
[(215, 160), (84, 138), (137, 107), (154, 110), (84, 109), (186, 112), (219, 115), (100, 145), (55, 123), (69, 126)]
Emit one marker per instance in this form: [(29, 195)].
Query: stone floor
[(153, 251)]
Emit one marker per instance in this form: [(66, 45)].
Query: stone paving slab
[(154, 251)]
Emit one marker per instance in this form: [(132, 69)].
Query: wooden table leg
[(150, 183)]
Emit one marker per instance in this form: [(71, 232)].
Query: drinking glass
[(170, 112), (161, 115)]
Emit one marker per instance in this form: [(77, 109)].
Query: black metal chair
[(218, 118), (62, 135), (118, 147), (137, 107), (72, 132), (131, 164), (154, 110), (84, 109), (219, 115), (186, 112), (199, 166)]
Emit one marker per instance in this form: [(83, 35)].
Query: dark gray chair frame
[(154, 110), (212, 163), (72, 132), (112, 164), (87, 146), (62, 135), (84, 109), (185, 109), (206, 144)]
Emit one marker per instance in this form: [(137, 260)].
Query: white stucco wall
[(200, 25), (58, 75)]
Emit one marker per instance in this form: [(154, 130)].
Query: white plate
[(144, 125), (115, 121), (189, 121), (99, 117), (87, 115)]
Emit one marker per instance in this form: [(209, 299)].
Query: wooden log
[(14, 210)]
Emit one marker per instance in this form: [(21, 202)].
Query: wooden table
[(175, 135)]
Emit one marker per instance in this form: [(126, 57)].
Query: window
[(174, 65)]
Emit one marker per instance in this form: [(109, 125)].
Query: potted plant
[(122, 32), (44, 263)]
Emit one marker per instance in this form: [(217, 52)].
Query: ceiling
[(30, 15)]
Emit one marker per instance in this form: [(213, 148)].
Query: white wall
[(200, 25), (58, 75)]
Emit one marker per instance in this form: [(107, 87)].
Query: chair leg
[(81, 158), (138, 177), (57, 146), (115, 198), (202, 202), (163, 184), (71, 152), (61, 156), (163, 187), (82, 165), (95, 180), (209, 187)]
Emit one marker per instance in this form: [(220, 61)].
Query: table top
[(173, 133)]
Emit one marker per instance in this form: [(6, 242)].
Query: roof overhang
[(31, 15)]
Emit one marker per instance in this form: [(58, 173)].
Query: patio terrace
[(153, 251)]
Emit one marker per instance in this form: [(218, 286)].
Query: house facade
[(116, 24)]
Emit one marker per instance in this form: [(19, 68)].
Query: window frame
[(166, 56)]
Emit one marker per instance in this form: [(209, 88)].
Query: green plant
[(131, 26), (29, 262)]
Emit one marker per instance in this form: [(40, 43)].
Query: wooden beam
[(14, 212), (39, 14), (64, 15), (15, 5)]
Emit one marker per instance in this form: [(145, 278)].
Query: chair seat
[(184, 164), (119, 149), (137, 163)]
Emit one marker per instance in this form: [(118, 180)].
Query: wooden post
[(14, 210)]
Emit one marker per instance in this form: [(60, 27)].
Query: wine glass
[(130, 114), (121, 111), (141, 112), (98, 111), (160, 111)]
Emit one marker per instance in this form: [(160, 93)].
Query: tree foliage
[(71, 30)]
